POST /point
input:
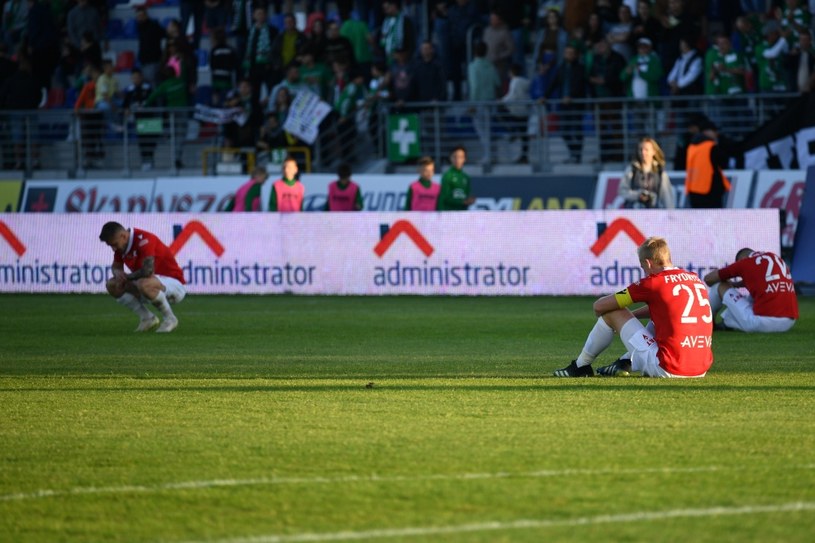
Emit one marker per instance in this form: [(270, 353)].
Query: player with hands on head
[(770, 304), (154, 276), (677, 340)]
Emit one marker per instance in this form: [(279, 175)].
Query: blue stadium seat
[(130, 31), (116, 29), (203, 58), (203, 95)]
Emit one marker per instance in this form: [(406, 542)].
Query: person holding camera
[(645, 183)]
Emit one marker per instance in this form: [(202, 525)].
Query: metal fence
[(541, 135)]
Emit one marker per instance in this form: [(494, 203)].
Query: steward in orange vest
[(705, 184)]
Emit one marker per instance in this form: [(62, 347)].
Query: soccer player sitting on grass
[(154, 277), (677, 340), (770, 306)]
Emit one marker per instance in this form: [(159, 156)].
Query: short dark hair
[(109, 230), (744, 253), (344, 170), (425, 161)]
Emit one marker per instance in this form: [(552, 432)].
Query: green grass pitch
[(252, 422)]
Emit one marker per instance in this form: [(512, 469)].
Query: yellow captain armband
[(623, 298)]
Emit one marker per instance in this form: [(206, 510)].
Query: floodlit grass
[(253, 420)]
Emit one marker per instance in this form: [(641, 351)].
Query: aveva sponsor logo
[(237, 272), (436, 271), (622, 274)]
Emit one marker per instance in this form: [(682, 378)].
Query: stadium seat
[(203, 95), (71, 94), (203, 58), (125, 61), (116, 29), (130, 30)]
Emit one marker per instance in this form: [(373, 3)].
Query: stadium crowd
[(358, 54)]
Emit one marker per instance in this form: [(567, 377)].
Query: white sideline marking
[(271, 481), (642, 516)]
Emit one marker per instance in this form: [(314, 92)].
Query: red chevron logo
[(614, 229), (13, 241), (196, 227), (397, 229)]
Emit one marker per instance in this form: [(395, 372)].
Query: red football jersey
[(769, 281), (143, 244), (680, 310)]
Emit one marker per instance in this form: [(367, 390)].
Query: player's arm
[(613, 302), (145, 271), (119, 274), (711, 278)]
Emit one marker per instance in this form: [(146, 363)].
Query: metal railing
[(592, 131)]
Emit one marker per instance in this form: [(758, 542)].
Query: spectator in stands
[(338, 48), (359, 36), (552, 37), (90, 120), (378, 92), (423, 194), (794, 18), (247, 197), (91, 51), (343, 194), (705, 183), (514, 112), (677, 23), (287, 192), (272, 138), (607, 10), (83, 18), (800, 63), (570, 83), (315, 76), (192, 9), (456, 192), (500, 44), (728, 69), (242, 20), (645, 183), (150, 36), (43, 42), (483, 82), (19, 94), (641, 77), (645, 24), (15, 21), (431, 82), (745, 39), (402, 80), (619, 34), (349, 93), (172, 93), (223, 65), (603, 73), (135, 97), (593, 31), (243, 134), (216, 14), (177, 56), (286, 46), (463, 16), (686, 78), (397, 31), (317, 38), (107, 93), (770, 53), (258, 64), (292, 83), (515, 15)]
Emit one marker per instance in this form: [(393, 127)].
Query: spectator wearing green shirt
[(456, 193), (172, 94), (358, 34)]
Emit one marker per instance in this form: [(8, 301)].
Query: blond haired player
[(677, 340)]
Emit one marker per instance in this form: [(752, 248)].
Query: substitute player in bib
[(677, 340), (287, 192), (154, 275), (770, 306), (423, 194)]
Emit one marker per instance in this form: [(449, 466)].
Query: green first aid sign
[(403, 137)]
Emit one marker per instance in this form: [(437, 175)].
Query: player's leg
[(715, 297), (641, 343), (154, 289), (598, 340), (739, 313), (128, 295)]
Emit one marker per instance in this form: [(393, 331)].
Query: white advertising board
[(477, 253), (88, 195)]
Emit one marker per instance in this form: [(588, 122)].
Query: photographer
[(645, 183)]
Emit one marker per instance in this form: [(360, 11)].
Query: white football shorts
[(643, 348), (739, 315), (173, 289)]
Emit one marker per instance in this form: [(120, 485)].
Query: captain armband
[(623, 298)]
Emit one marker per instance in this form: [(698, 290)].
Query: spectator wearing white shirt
[(687, 77), (515, 109)]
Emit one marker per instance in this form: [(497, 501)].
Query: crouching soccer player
[(154, 275), (770, 306), (677, 340)]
